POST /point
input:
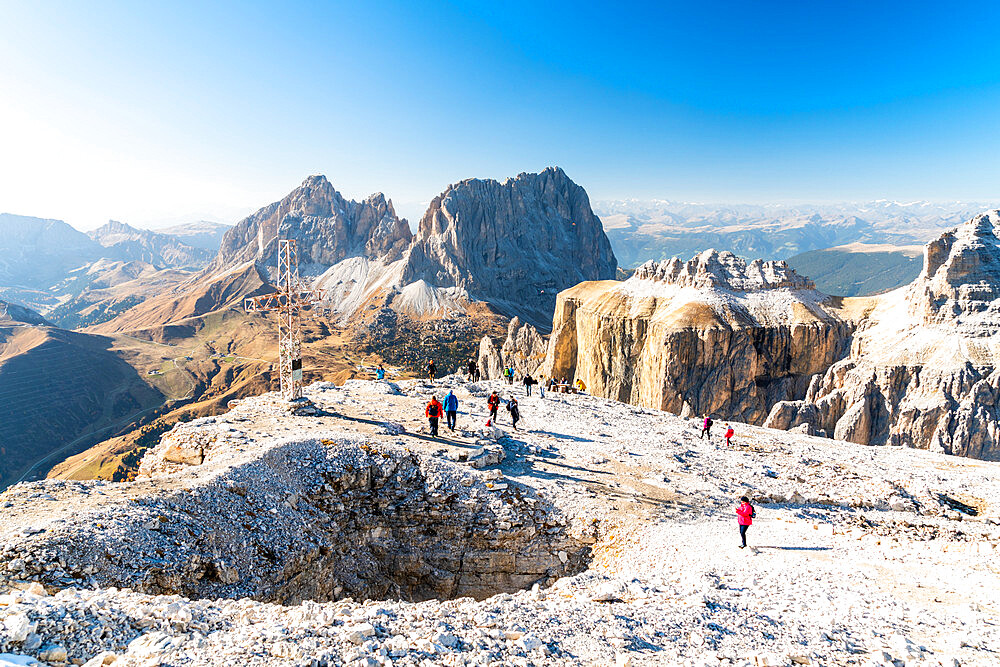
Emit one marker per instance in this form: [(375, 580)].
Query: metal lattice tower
[(290, 299)]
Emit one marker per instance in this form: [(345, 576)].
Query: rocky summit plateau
[(334, 530)]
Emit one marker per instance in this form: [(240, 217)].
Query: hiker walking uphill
[(430, 370), (744, 517), (451, 409), (494, 404), (528, 381), (515, 414), (433, 412), (729, 435), (706, 427)]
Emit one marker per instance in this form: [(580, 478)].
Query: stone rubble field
[(336, 531)]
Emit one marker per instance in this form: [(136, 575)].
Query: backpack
[(753, 512), (432, 410)]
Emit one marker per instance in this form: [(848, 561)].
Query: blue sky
[(152, 112)]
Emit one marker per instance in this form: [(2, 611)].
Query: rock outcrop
[(515, 244), (714, 335), (922, 370), (523, 350)]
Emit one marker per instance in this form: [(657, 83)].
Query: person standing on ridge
[(706, 427), (451, 409), (744, 517), (473, 370), (729, 434), (494, 404), (380, 373), (433, 413), (430, 370), (515, 414)]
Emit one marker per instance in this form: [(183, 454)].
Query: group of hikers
[(706, 430), (449, 409), (435, 409), (745, 512)]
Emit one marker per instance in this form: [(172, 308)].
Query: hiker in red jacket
[(494, 404), (433, 412), (729, 434), (744, 517)]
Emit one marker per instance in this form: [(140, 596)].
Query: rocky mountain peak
[(724, 270), (515, 243), (960, 283), (328, 227)]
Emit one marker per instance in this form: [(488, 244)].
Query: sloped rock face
[(328, 229), (714, 335), (514, 244), (922, 370), (523, 350)]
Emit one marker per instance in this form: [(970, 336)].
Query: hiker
[(473, 370), (729, 434), (580, 386), (451, 409), (430, 370), (380, 373), (509, 374), (706, 427), (744, 517), (527, 384), (541, 388), (515, 414), (494, 404), (433, 413)]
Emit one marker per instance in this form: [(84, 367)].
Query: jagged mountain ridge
[(513, 244), (328, 229)]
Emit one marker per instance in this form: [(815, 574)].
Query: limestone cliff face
[(523, 350), (514, 244), (328, 229), (922, 370), (713, 335)]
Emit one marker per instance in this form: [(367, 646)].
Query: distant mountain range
[(658, 229), (53, 268)]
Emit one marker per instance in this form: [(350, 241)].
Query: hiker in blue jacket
[(451, 409)]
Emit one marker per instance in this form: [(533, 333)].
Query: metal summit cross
[(290, 299)]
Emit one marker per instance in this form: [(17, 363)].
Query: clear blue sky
[(156, 111)]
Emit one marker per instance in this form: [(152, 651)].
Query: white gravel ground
[(858, 556)]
